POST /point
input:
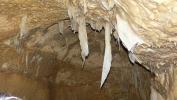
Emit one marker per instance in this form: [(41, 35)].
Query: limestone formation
[(146, 28)]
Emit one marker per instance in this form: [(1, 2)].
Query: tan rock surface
[(31, 43), (54, 62)]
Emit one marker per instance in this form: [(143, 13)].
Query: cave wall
[(51, 63)]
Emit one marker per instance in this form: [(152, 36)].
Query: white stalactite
[(74, 26), (126, 34), (23, 26), (69, 11), (107, 55), (131, 57), (83, 38), (61, 26), (27, 61), (116, 35), (72, 12), (85, 6)]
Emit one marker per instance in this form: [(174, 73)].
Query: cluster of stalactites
[(79, 16), (78, 24)]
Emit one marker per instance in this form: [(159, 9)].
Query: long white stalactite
[(83, 38), (107, 55)]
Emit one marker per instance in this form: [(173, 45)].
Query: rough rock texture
[(152, 21), (151, 24), (51, 63), (32, 45)]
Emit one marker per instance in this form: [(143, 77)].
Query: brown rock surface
[(34, 52), (53, 62)]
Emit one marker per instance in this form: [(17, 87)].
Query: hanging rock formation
[(146, 28)]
